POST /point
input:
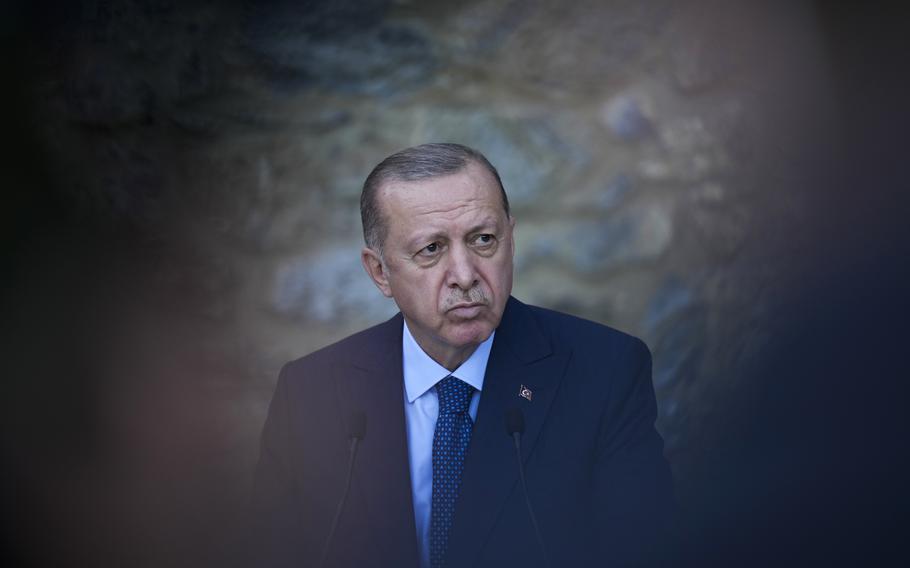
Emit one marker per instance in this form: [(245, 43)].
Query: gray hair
[(413, 164)]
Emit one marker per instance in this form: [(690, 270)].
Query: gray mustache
[(474, 296)]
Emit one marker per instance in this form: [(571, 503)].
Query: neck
[(449, 357), (453, 359)]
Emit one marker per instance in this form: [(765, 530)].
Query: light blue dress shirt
[(421, 408)]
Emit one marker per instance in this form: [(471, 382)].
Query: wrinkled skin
[(446, 259)]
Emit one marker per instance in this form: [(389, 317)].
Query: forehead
[(470, 190)]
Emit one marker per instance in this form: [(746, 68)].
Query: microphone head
[(515, 421), (357, 425)]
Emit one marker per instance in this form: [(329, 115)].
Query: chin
[(472, 333)]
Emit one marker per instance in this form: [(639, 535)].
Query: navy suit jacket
[(596, 475)]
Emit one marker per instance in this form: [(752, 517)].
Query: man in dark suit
[(435, 481)]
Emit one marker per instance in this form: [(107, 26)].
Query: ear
[(374, 266)]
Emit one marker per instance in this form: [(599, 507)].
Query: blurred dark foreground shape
[(130, 420)]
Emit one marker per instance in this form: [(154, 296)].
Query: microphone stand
[(357, 433), (515, 425)]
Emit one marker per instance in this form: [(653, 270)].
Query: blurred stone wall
[(657, 155)]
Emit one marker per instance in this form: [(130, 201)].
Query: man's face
[(447, 259)]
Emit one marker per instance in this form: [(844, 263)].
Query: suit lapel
[(382, 474), (521, 356)]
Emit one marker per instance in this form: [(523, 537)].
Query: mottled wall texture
[(181, 217)]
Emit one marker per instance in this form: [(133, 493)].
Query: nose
[(462, 272)]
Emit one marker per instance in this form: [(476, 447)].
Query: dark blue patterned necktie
[(450, 440)]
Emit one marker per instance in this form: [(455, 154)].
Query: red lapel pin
[(525, 392)]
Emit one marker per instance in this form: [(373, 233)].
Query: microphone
[(357, 430), (515, 427), (515, 424)]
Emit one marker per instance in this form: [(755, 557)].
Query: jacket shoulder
[(345, 351)]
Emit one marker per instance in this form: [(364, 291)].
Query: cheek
[(500, 276), (421, 289)]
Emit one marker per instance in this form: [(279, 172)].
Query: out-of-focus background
[(181, 183)]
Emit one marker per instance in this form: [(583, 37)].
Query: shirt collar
[(421, 372)]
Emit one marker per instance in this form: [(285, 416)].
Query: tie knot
[(454, 395)]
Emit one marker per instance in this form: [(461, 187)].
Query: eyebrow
[(420, 238), (424, 238), (488, 222)]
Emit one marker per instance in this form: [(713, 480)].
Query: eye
[(430, 250), (484, 240)]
